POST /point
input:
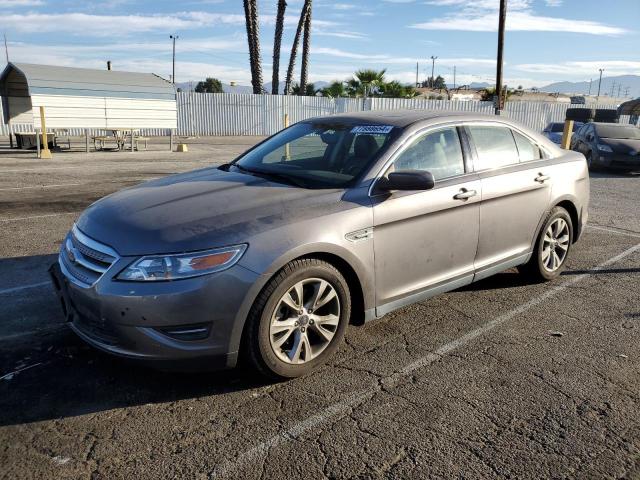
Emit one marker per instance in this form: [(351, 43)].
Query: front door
[(425, 242)]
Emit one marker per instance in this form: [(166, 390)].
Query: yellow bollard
[(45, 152), (566, 134), (287, 151)]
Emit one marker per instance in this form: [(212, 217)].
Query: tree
[(277, 42), (210, 85), (306, 46), (253, 39), (294, 48), (395, 89), (437, 84), (366, 82), (335, 90), (309, 90)]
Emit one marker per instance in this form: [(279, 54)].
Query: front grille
[(85, 260)]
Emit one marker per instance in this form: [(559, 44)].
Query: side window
[(436, 152), (528, 151), (495, 146)]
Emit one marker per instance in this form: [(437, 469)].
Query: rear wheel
[(299, 319), (552, 247)]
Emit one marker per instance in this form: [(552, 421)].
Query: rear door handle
[(541, 178), (465, 194)]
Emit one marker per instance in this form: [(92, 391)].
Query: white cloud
[(21, 3), (575, 69), (553, 3), (480, 16)]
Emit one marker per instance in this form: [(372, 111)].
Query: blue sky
[(546, 40)]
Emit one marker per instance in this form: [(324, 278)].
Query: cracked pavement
[(499, 379)]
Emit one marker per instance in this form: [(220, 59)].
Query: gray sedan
[(335, 220)]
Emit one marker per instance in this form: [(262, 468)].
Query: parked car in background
[(334, 220), (609, 145), (554, 131)]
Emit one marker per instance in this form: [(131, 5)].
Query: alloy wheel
[(304, 321), (555, 245)]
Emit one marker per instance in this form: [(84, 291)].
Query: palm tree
[(277, 41), (309, 90), (306, 45), (371, 80), (294, 47), (335, 90), (395, 89), (253, 38)]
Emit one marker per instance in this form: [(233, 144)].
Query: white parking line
[(615, 230), (342, 407), (17, 219), (42, 186), (23, 287)]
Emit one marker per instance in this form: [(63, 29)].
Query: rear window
[(526, 149), (495, 146)]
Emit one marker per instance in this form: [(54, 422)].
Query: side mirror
[(406, 180)]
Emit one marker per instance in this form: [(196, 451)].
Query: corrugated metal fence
[(229, 114)]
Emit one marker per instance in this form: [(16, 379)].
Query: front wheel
[(552, 247), (298, 320)]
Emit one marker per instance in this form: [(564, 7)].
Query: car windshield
[(618, 132), (556, 127), (318, 154)]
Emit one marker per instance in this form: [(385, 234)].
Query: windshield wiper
[(283, 177)]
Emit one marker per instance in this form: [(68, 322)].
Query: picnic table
[(119, 138)]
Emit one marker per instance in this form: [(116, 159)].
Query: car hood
[(199, 210), (624, 146)]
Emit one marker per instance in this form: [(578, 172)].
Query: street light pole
[(433, 68), (173, 76), (501, 21), (599, 83)]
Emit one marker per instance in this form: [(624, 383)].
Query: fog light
[(198, 331)]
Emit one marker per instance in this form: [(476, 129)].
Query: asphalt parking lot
[(500, 379)]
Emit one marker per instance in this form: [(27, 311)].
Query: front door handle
[(541, 178), (465, 194)]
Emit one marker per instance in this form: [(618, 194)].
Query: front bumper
[(130, 319), (619, 161)]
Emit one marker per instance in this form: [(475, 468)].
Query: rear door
[(426, 240), (516, 190)]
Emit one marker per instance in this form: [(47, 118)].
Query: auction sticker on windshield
[(372, 129)]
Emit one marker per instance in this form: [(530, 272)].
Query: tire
[(607, 115), (272, 319), (583, 115), (537, 268)]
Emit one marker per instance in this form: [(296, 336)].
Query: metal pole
[(173, 76), (501, 22), (417, 83), (45, 153), (86, 140), (599, 83), (433, 69)]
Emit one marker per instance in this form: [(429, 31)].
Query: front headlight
[(184, 265), (604, 148)]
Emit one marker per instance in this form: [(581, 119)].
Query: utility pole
[(590, 82), (6, 49), (626, 92), (173, 76), (619, 87), (501, 21), (599, 82), (613, 87), (433, 69), (417, 82), (454, 77)]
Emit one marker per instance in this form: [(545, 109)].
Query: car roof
[(404, 118)]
